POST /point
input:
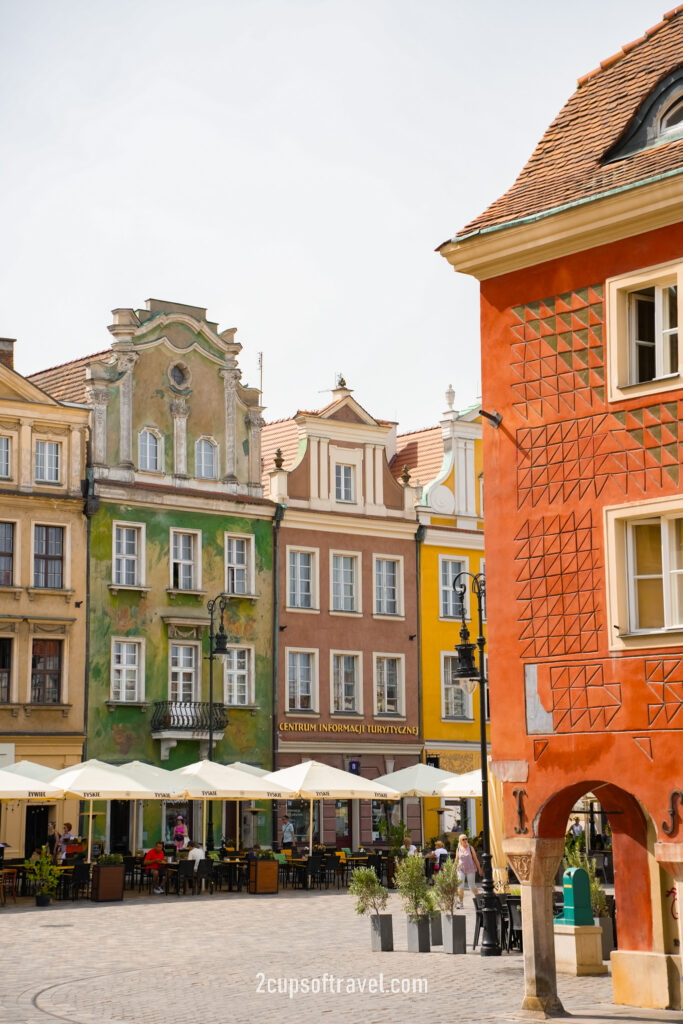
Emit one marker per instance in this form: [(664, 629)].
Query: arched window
[(672, 118), (149, 451), (205, 459)]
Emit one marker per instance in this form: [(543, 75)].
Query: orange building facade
[(580, 265)]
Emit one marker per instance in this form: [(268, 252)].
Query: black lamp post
[(466, 670), (218, 645)]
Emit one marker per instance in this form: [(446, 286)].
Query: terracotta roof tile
[(66, 382), (282, 434), (422, 452), (567, 165)]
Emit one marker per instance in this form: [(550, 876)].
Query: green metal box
[(577, 898)]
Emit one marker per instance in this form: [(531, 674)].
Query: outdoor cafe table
[(229, 869)]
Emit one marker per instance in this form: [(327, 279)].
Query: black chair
[(78, 881), (130, 872), (308, 874), (184, 875), (501, 921), (558, 903), (515, 926), (204, 877), (375, 862)]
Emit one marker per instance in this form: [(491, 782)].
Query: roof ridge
[(69, 362), (627, 47), (418, 430)]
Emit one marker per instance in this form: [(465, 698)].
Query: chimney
[(7, 352)]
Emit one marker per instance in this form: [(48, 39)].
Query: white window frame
[(352, 457), (619, 578), (140, 557), (250, 565), (379, 656), (6, 475), (619, 332), (216, 467), (400, 609), (464, 562), (358, 656), (64, 639), (315, 680), (16, 550), (357, 583), (197, 677), (48, 442), (139, 644), (291, 549), (250, 681), (158, 436), (468, 702), (345, 483), (196, 560), (66, 557)]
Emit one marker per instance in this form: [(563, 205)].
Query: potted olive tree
[(44, 875), (371, 898), (411, 881), (445, 892)]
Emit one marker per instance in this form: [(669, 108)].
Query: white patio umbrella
[(250, 769), (164, 783), (209, 780), (14, 786), (95, 780), (32, 770), (417, 780), (463, 786), (312, 780)]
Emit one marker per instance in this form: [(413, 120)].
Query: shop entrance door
[(119, 826), (35, 836), (342, 817)]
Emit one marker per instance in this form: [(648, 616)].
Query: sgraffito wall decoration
[(582, 698), (664, 677), (557, 586)]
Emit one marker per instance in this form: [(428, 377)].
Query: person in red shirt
[(154, 862)]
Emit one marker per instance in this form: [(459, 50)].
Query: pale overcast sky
[(289, 164)]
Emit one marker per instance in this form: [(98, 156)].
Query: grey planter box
[(607, 935), (454, 938), (381, 933), (418, 934), (435, 932)]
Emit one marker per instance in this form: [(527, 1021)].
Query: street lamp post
[(466, 671), (218, 645)]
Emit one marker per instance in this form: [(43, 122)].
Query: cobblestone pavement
[(210, 959)]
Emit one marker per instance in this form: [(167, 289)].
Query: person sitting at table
[(407, 845), (154, 862), (66, 837), (438, 854), (196, 853)]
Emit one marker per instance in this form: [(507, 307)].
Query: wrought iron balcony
[(189, 716)]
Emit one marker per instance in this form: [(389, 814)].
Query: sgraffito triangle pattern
[(664, 678), (557, 586), (582, 700)]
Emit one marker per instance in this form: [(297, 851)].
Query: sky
[(291, 165)]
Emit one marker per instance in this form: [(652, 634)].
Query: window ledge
[(34, 592), (133, 587), (240, 597), (48, 483), (11, 707), (456, 718), (251, 708), (174, 592), (11, 589), (455, 618), (113, 704), (666, 631), (395, 716), (306, 611), (347, 714), (666, 378), (307, 712), (30, 708), (348, 615), (389, 616)]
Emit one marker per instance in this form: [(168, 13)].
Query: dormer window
[(149, 451), (205, 459), (658, 120), (344, 483)]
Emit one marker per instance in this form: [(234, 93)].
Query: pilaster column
[(98, 398), (25, 454), (535, 862), (231, 379), (179, 411), (125, 362), (255, 423)]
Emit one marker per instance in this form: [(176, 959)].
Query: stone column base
[(578, 949), (646, 979)]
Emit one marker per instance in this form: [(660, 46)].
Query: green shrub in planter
[(446, 884), (110, 858), (45, 876), (411, 881), (371, 897)]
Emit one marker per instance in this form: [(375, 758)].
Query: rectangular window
[(345, 583), (185, 560), (655, 570), (450, 603), (183, 672), (126, 670), (301, 579), (238, 564), (48, 557), (128, 552), (238, 677), (387, 581), (344, 483), (345, 682), (300, 679), (5, 669), (46, 672), (388, 685), (653, 326), (47, 462), (455, 702), (6, 554), (4, 458)]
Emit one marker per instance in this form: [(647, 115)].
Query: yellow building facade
[(445, 464), (43, 594)]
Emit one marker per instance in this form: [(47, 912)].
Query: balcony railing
[(190, 715)]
